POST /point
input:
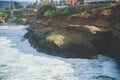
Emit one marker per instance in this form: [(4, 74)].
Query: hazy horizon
[(21, 0), (24, 0)]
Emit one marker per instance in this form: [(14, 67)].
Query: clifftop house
[(74, 2)]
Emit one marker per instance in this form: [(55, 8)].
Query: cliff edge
[(83, 35)]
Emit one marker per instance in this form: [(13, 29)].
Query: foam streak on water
[(19, 61)]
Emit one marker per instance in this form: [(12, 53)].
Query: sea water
[(19, 61)]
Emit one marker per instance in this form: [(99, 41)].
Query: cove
[(19, 61)]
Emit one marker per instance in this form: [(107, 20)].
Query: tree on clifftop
[(16, 5)]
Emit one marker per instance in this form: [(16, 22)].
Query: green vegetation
[(50, 11), (16, 5), (109, 7), (34, 5), (3, 14), (30, 6), (47, 8)]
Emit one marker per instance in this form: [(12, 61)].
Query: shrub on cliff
[(3, 14), (42, 10), (58, 11), (49, 10), (16, 5), (46, 7), (53, 12)]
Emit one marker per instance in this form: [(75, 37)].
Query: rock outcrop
[(79, 35), (2, 20), (60, 41)]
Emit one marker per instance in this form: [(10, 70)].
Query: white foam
[(19, 61)]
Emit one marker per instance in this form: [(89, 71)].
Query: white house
[(90, 1)]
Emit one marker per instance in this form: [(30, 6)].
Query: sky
[(22, 0)]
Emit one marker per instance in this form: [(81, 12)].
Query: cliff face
[(61, 41), (79, 35), (1, 20)]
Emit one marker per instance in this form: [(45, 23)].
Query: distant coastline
[(6, 4)]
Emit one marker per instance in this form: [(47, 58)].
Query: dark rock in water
[(104, 78), (80, 50), (107, 44)]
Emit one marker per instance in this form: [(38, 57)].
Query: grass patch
[(52, 11), (3, 14)]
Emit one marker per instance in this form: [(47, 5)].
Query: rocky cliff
[(78, 35)]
